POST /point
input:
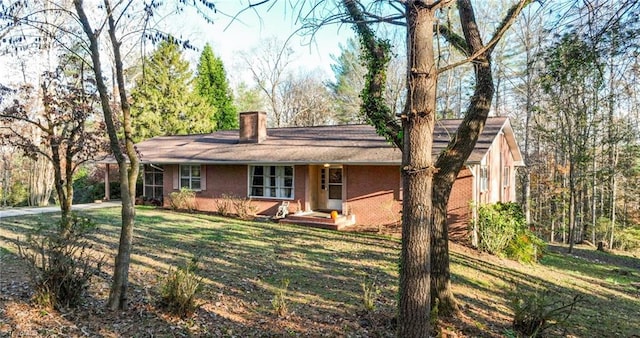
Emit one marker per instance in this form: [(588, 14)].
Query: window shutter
[(176, 177), (203, 177)]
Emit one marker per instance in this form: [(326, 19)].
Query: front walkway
[(13, 212)]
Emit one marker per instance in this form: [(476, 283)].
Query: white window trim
[(279, 181), (190, 177), (484, 179)]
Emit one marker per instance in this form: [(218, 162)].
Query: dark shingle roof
[(341, 144)]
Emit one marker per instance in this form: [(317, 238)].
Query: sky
[(229, 36)]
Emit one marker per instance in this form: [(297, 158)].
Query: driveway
[(13, 212)]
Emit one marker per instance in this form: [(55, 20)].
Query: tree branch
[(376, 56), (509, 19), (439, 4), (454, 39)]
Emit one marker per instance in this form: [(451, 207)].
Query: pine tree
[(164, 102), (213, 87), (349, 73)]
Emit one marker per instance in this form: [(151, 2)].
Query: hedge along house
[(346, 168)]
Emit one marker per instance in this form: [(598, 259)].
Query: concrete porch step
[(320, 220)]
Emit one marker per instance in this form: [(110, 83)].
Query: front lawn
[(243, 265)]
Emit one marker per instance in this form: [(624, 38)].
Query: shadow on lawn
[(243, 264), (618, 318)]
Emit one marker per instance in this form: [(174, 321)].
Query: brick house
[(346, 168)]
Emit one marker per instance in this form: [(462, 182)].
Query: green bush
[(185, 199), (59, 262), (526, 247), (180, 288), (627, 239), (86, 190), (502, 230), (18, 195)]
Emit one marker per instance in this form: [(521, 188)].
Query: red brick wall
[(232, 180), (372, 194), (458, 209), (167, 182)]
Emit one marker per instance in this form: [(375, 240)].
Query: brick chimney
[(253, 127)]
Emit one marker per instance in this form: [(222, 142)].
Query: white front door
[(334, 187)]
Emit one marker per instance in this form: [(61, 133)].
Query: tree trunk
[(128, 171), (61, 190), (593, 197), (441, 294), (40, 179), (572, 205), (614, 196), (451, 161), (417, 167)]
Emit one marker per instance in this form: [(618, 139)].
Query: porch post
[(107, 186)]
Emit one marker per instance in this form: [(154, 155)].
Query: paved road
[(12, 212)]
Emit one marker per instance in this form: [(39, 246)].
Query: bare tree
[(306, 101), (269, 65)]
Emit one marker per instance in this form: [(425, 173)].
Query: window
[(190, 177), (506, 178), (484, 178), (153, 176), (271, 181), (335, 183)]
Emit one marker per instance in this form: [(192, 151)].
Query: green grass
[(243, 264)]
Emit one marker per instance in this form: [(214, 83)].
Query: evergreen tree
[(213, 87), (349, 73), (164, 102)]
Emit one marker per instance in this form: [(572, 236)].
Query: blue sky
[(228, 36)]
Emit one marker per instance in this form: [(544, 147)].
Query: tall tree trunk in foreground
[(424, 202), (417, 173), (416, 143)]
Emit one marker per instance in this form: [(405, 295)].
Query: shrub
[(86, 190), (180, 288), (502, 230), (185, 199), (18, 195), (224, 205), (536, 311), (59, 263), (244, 208), (526, 247), (279, 301), (627, 239)]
